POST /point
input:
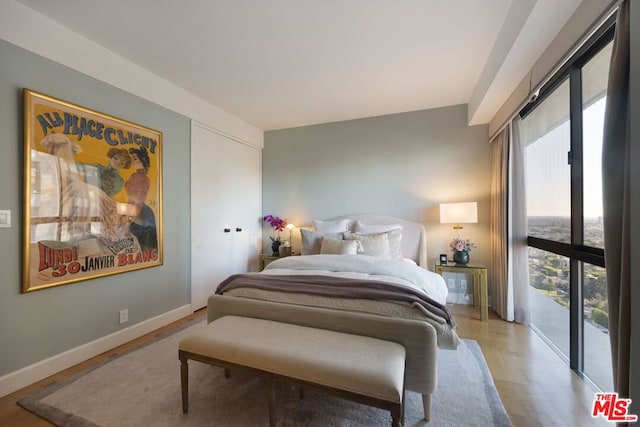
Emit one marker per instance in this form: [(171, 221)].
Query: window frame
[(577, 252)]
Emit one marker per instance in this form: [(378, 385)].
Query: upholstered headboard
[(414, 236)]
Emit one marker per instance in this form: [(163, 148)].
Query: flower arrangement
[(459, 245), (277, 224)]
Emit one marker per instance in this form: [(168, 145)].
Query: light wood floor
[(536, 387)]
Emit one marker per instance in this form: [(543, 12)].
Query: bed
[(381, 289)]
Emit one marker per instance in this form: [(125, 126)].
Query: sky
[(548, 183)]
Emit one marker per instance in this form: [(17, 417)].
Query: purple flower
[(277, 224)]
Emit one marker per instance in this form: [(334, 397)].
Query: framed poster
[(92, 196)]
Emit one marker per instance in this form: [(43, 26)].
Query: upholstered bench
[(361, 369)]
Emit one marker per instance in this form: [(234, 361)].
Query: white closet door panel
[(209, 242), (225, 193), (245, 201)]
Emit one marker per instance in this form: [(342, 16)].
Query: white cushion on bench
[(362, 365)]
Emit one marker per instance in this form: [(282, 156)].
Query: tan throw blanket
[(335, 287)]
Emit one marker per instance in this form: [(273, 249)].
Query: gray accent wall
[(401, 165), (41, 324)]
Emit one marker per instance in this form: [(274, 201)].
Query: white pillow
[(330, 246), (330, 226), (371, 244), (394, 230), (394, 237), (359, 227), (311, 241)]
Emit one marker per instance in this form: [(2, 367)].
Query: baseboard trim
[(30, 374)]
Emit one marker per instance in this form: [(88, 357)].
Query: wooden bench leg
[(426, 404), (403, 407), (397, 412), (396, 416), (301, 393), (184, 380), (227, 373), (271, 398)]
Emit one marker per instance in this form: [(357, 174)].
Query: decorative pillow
[(338, 247), (370, 244), (394, 232), (311, 241), (394, 238), (330, 226)]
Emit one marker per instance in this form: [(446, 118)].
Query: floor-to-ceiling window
[(562, 133)]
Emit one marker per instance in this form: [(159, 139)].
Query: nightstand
[(264, 259), (479, 275)]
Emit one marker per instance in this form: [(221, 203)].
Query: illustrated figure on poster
[(73, 189), (107, 177), (143, 225)]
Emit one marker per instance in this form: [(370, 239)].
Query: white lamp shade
[(290, 227), (459, 213)]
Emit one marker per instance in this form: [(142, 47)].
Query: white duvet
[(399, 271)]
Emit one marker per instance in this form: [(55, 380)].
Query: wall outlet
[(463, 284), (451, 283), (124, 316)]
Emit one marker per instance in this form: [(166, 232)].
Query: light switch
[(5, 218)]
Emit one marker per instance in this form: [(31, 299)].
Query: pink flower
[(459, 244)]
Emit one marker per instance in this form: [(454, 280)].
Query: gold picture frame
[(92, 197)]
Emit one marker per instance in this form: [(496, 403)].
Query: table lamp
[(458, 213)]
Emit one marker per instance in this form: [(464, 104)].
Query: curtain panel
[(499, 231), (509, 251), (518, 249), (616, 197)]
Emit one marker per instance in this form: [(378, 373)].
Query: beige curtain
[(518, 249), (616, 197), (509, 251), (499, 232)]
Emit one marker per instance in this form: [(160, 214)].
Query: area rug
[(142, 387)]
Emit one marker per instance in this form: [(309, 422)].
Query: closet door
[(225, 195)]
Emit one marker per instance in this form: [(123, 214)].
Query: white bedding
[(399, 271)]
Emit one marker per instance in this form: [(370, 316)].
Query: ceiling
[(286, 63)]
